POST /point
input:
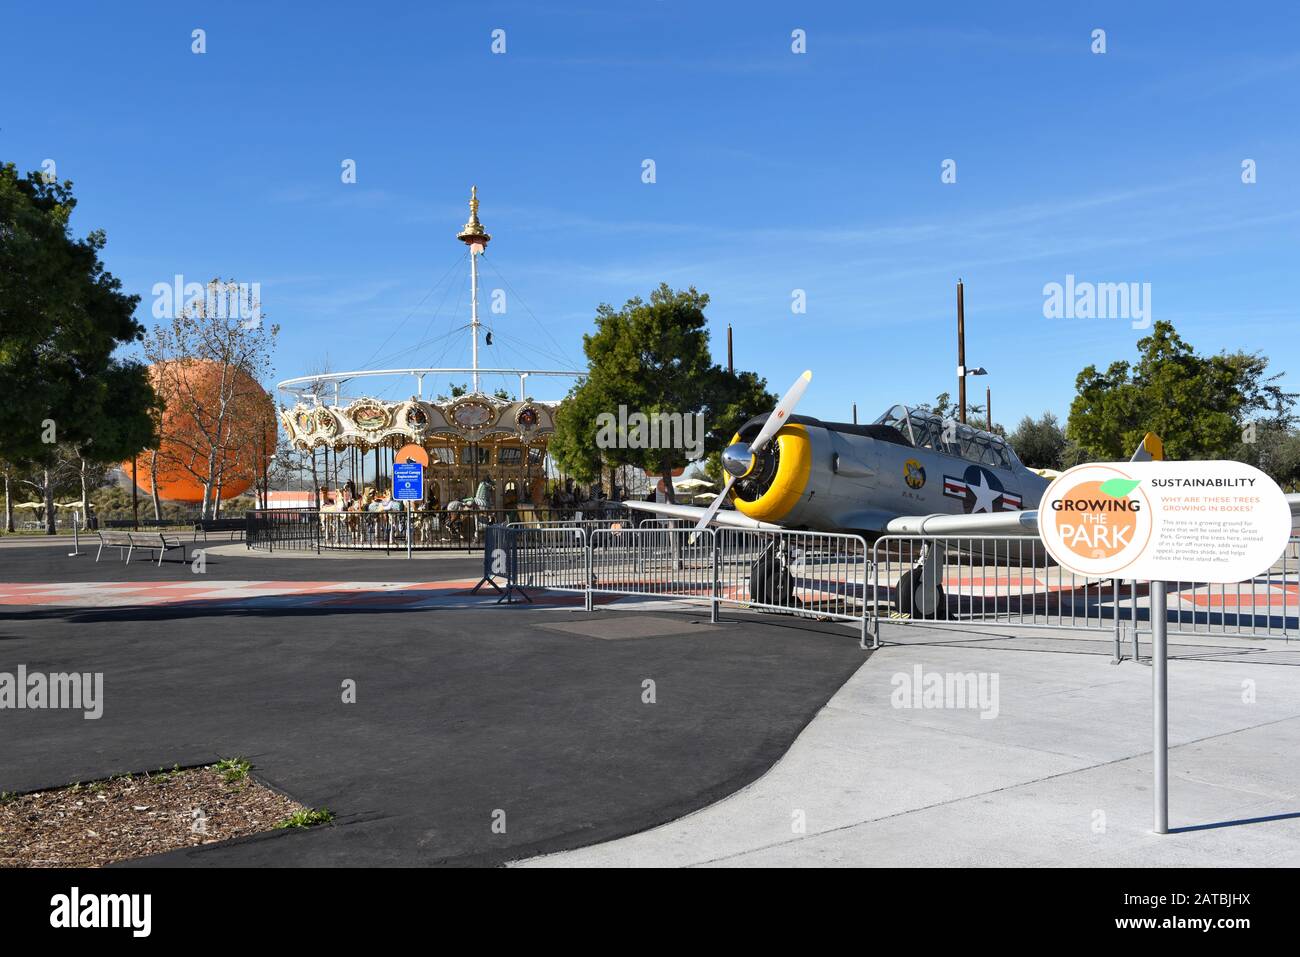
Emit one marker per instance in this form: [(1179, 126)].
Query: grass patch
[(100, 822), (307, 818), (233, 770)]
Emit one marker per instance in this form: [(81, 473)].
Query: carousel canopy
[(321, 416)]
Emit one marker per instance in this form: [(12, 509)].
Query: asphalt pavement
[(478, 735)]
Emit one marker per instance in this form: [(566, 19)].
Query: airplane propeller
[(738, 457)]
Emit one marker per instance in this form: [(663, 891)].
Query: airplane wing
[(1150, 449), (975, 525), (694, 513)]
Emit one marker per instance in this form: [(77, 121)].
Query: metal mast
[(476, 238)]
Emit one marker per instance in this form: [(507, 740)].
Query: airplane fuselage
[(840, 477)]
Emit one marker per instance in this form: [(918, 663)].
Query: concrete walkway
[(1061, 776)]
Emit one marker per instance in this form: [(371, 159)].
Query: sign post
[(1160, 704), (408, 487), (1161, 522)]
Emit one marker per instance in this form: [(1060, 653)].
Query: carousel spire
[(476, 238), (472, 233)]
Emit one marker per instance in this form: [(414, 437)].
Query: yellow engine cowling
[(787, 486)]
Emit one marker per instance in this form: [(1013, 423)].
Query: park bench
[(231, 525), (145, 523), (160, 542), (115, 539)]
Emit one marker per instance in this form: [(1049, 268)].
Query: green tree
[(711, 468), (1273, 449), (1198, 405), (944, 406), (62, 316), (652, 358), (1042, 444)]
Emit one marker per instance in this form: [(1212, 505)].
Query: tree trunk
[(85, 494), (153, 484), (666, 473), (9, 507), (210, 485), (49, 503)]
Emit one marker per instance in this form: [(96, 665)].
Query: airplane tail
[(1150, 449)]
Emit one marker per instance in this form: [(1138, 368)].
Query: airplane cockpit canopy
[(925, 430)]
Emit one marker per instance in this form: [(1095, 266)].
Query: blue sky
[(775, 172)]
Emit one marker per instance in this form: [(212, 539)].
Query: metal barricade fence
[(817, 574), (666, 562), (441, 529), (291, 529), (555, 558), (1007, 581), (590, 524), (811, 574), (1267, 606), (1011, 581)]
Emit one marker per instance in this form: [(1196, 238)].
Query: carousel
[(482, 448)]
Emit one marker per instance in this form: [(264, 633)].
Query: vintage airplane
[(908, 473)]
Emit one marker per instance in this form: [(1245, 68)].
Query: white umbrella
[(687, 485)]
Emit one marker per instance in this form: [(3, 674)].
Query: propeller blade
[(781, 414), (713, 510)]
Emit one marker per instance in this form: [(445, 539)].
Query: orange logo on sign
[(1097, 519), (1094, 522)]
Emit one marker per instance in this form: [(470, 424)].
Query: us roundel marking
[(980, 491)]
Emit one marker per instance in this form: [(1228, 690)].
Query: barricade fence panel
[(554, 558), (669, 562), (1011, 581), (813, 573), (1008, 581)]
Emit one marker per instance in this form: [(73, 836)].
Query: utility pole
[(988, 405), (961, 355), (731, 368), (135, 495), (855, 413)]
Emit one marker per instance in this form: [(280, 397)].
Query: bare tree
[(9, 502), (209, 360)]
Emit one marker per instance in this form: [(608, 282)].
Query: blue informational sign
[(408, 481)]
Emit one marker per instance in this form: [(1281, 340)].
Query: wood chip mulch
[(90, 825)]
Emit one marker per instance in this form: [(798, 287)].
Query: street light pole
[(961, 355)]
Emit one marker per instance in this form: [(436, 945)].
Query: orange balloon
[(192, 392)]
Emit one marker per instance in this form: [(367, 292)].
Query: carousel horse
[(465, 526)]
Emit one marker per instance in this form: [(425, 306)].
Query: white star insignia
[(985, 497)]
